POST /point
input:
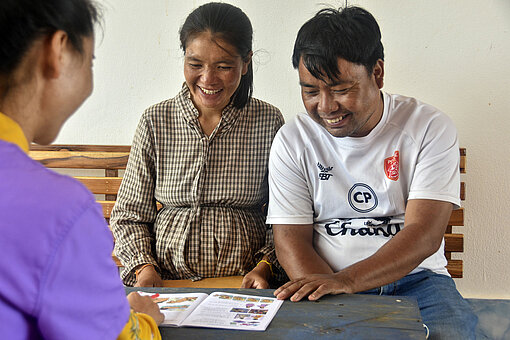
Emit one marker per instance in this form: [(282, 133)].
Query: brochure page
[(234, 311), (176, 307)]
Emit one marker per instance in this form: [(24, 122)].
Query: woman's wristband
[(137, 272), (269, 264)]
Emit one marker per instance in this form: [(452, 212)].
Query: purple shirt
[(57, 277)]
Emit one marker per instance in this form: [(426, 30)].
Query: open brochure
[(216, 310)]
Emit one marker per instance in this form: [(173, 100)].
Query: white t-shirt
[(354, 189)]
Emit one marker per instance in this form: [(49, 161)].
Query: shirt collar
[(11, 132)]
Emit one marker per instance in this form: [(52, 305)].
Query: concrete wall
[(451, 54)]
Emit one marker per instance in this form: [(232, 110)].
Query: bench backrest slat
[(101, 185)]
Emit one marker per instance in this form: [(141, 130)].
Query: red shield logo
[(391, 165)]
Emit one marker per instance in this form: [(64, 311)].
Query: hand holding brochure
[(217, 310)]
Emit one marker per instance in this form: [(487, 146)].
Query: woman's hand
[(148, 277), (144, 304), (258, 278)]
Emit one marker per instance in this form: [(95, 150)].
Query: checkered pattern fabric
[(212, 189)]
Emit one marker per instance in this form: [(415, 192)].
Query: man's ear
[(379, 73), (246, 62), (55, 53)]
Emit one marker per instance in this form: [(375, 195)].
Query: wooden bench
[(111, 160), (454, 242)]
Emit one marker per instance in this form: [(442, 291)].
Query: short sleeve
[(437, 174), (82, 296), (290, 201)]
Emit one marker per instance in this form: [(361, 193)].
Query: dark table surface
[(346, 316)]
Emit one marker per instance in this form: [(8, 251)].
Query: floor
[(493, 318)]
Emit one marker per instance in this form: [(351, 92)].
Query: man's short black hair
[(351, 33)]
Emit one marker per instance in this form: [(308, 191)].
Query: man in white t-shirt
[(362, 187)]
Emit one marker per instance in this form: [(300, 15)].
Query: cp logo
[(362, 198)]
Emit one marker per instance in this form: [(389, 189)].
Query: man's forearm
[(421, 237), (394, 260), (295, 251), (314, 264)]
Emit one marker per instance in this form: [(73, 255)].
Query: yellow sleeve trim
[(140, 327)]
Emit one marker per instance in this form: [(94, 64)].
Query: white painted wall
[(452, 54)]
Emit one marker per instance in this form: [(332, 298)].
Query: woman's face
[(213, 70), (68, 91)]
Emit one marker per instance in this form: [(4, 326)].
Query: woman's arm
[(135, 210)]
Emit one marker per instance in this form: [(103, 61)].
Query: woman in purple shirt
[(57, 279)]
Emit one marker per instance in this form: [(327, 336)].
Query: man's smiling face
[(349, 106)]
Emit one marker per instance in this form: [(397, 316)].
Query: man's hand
[(314, 286), (258, 278), (144, 304), (149, 277)]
